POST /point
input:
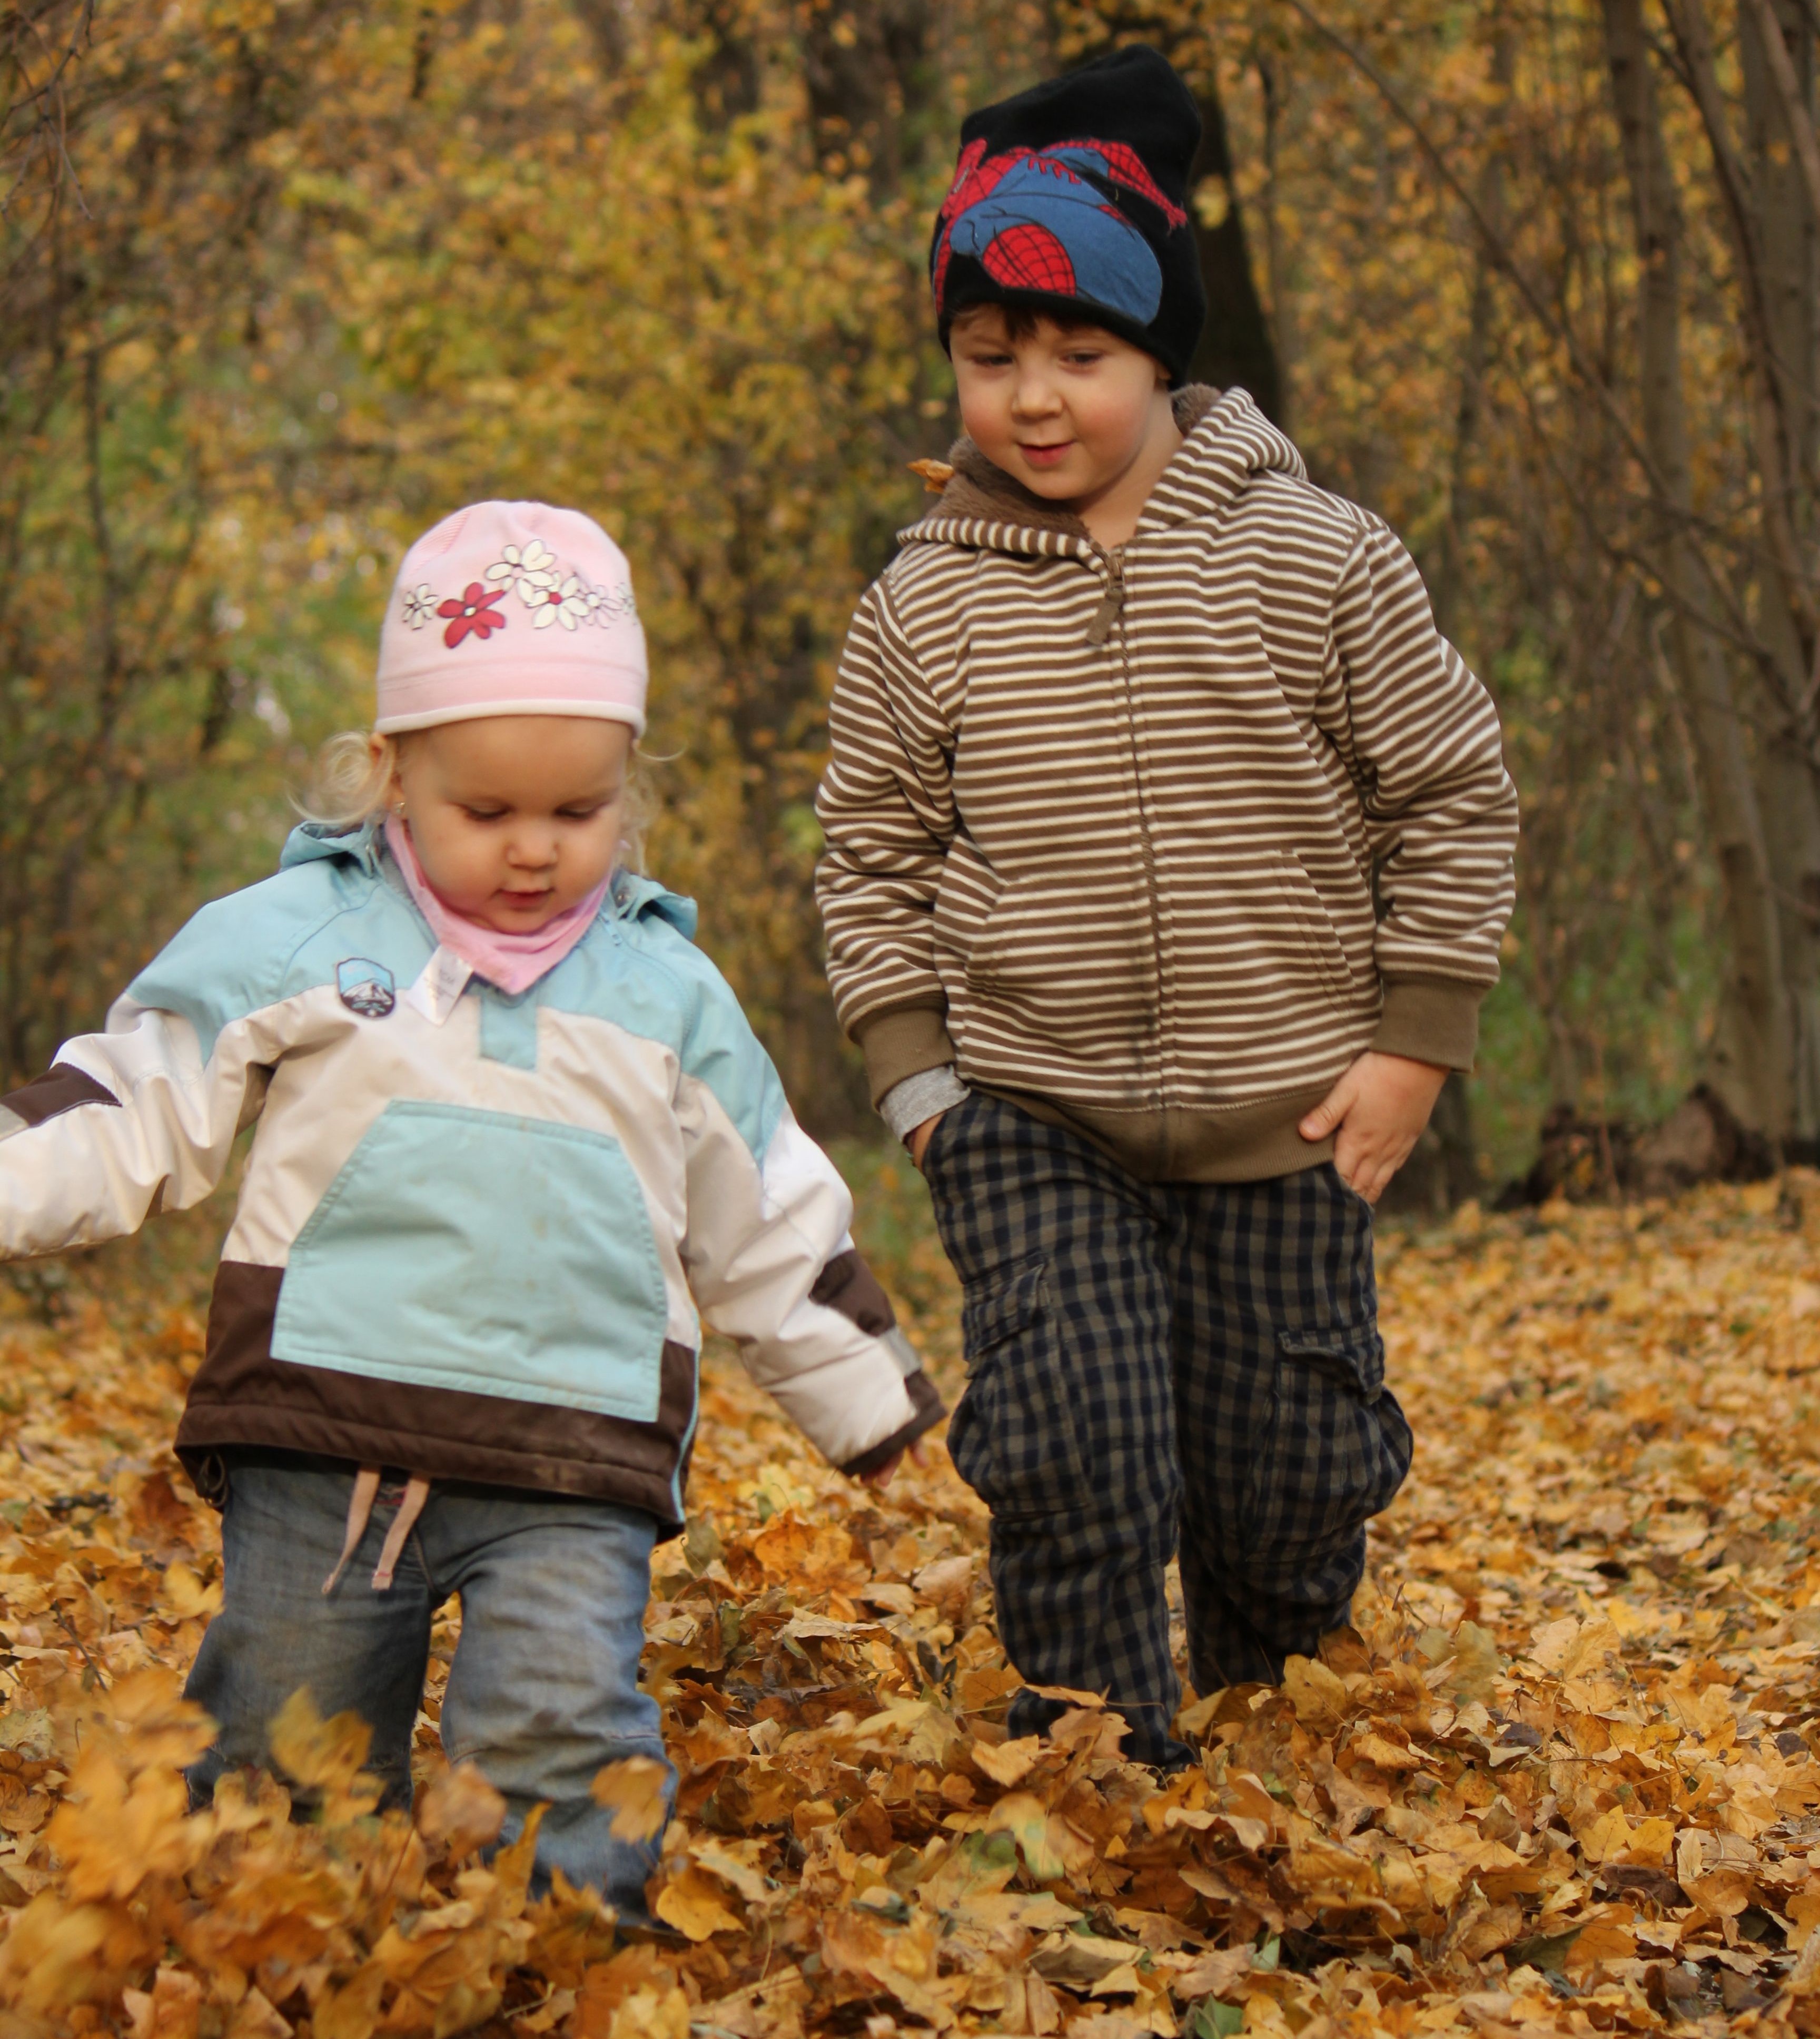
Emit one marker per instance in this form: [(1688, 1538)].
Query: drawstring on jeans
[(360, 1512)]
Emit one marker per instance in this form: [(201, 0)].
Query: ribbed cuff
[(903, 1043), (926, 1095), (1432, 1020)]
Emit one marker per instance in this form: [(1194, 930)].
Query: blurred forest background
[(285, 280)]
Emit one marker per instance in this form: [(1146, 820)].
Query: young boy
[(1169, 853)]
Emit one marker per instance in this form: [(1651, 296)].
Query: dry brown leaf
[(351, 2011), (637, 1789), (1495, 1751), (254, 2018), (900, 1959), (1318, 1696), (325, 1757), (1086, 1731), (1008, 1762), (695, 1902), (459, 1811)]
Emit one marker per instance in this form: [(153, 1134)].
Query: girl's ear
[(384, 751)]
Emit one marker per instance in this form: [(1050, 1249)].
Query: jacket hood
[(630, 897), (310, 842), (1226, 440)]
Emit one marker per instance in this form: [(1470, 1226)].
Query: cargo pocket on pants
[(1013, 1438), (1335, 1448)]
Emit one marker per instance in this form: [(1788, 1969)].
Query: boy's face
[(1068, 410), (514, 817)]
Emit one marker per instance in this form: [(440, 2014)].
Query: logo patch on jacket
[(366, 987)]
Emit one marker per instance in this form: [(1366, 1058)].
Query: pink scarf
[(513, 963)]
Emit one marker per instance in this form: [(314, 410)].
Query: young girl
[(509, 1118)]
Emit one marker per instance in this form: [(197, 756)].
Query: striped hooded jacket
[(469, 1229), (1155, 841)]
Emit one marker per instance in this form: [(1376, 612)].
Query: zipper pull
[(1099, 623)]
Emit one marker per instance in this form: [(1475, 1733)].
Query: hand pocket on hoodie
[(1319, 937)]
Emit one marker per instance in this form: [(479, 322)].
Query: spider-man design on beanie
[(1072, 199)]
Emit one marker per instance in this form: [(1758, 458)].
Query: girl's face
[(514, 817)]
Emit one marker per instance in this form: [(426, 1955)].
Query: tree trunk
[(1235, 347), (1449, 579), (1777, 96), (1443, 1169), (1750, 1059)]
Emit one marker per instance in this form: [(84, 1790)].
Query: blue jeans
[(544, 1690)]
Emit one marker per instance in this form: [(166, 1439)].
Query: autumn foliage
[(282, 281), (1560, 1777)]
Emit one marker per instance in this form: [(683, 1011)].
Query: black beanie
[(1072, 199)]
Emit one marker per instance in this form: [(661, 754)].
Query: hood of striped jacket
[(1227, 441)]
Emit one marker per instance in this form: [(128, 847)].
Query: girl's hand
[(1379, 1106), (920, 1138), (916, 1455)]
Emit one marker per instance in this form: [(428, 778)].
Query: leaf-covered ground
[(1562, 1777)]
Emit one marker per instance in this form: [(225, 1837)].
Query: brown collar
[(978, 489)]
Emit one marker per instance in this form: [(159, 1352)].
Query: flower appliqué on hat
[(532, 573), (518, 564), (473, 613)]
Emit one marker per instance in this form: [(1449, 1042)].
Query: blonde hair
[(352, 780), (352, 784)]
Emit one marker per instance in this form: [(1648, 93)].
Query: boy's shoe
[(1163, 1754)]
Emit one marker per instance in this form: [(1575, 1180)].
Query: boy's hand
[(1380, 1107), (920, 1138)]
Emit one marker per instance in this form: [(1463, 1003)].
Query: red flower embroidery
[(474, 611)]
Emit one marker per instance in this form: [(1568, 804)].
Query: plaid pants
[(1148, 1358)]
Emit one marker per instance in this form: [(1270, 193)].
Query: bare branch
[(1788, 92), (1502, 257), (1687, 21)]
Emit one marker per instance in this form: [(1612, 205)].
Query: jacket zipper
[(1108, 615), (1112, 603)]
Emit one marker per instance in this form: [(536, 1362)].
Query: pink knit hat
[(511, 608)]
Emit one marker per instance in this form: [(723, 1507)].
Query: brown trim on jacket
[(903, 1042), (1431, 1020), (847, 1284), (1246, 1143), (929, 1411), (242, 1395), (59, 1089)]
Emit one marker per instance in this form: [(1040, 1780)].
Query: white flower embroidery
[(550, 601), (419, 605), (606, 605), (519, 563)]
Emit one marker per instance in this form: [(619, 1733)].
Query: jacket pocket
[(486, 1253), (1354, 1358), (1335, 1450), (1013, 1438), (1319, 937)]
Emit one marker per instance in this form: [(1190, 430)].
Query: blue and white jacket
[(471, 1225)]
